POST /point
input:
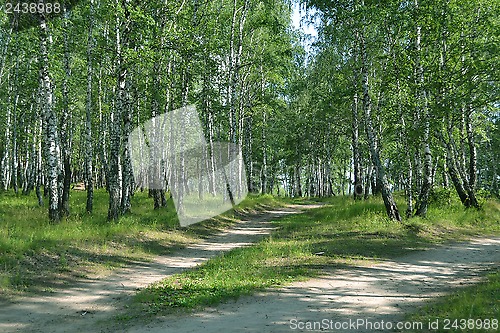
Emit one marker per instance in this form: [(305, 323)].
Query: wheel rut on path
[(375, 293), (86, 305)]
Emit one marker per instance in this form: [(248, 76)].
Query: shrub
[(442, 196)]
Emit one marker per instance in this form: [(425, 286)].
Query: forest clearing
[(168, 159)]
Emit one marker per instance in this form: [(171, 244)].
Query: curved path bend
[(384, 291), (88, 305), (364, 295)]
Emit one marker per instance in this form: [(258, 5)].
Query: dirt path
[(385, 291), (382, 291), (84, 306)]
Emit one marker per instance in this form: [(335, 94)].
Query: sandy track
[(384, 291), (90, 304)]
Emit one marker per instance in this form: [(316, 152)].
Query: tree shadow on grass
[(381, 245), (44, 271)]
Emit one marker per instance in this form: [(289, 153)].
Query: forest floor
[(90, 303), (386, 290)]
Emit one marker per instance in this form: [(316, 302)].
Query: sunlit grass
[(36, 255), (340, 233), (475, 306), (33, 251)]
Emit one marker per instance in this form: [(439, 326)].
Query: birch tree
[(89, 151), (51, 136)]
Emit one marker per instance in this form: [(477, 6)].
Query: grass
[(37, 256), (472, 306), (341, 233)]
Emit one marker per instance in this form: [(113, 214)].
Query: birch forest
[(391, 96)]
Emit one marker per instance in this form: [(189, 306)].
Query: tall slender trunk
[(15, 121), (472, 179), (472, 149), (263, 176), (89, 151), (356, 158), (409, 179), (459, 182), (366, 180), (4, 164), (446, 182), (103, 131), (52, 148), (66, 126), (459, 161), (30, 169), (298, 185), (240, 186), (248, 152), (127, 174), (423, 199), (443, 88), (39, 162), (155, 108), (115, 140), (159, 168), (390, 204), (235, 54), (182, 177), (263, 171), (455, 177), (212, 177), (15, 171)]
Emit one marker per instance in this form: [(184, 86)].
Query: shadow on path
[(81, 307), (384, 291)]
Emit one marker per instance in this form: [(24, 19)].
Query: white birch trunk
[(115, 175), (390, 204), (423, 199), (52, 152), (89, 150)]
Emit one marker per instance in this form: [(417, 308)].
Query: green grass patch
[(36, 255), (221, 278), (340, 233), (469, 309)]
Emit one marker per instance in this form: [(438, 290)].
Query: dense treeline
[(414, 86), (74, 86), (396, 96)]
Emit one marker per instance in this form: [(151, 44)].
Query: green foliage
[(442, 196), (456, 56)]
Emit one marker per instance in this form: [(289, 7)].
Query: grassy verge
[(340, 233), (470, 309), (39, 256)]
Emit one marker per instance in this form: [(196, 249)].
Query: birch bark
[(390, 204), (52, 148), (423, 198), (89, 150)]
